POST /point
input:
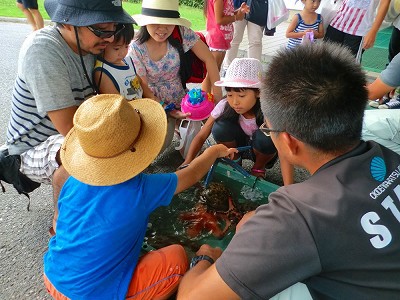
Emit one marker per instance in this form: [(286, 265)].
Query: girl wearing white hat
[(235, 121)]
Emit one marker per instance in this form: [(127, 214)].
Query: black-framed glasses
[(105, 34), (267, 131)]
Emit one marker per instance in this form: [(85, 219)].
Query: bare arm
[(201, 50), (106, 85), (203, 281), (319, 34), (223, 19), (290, 34), (147, 92), (199, 140), (244, 219), (220, 17), (378, 89), (63, 119), (370, 37), (200, 166)]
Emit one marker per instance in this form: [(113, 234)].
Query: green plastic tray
[(247, 191)]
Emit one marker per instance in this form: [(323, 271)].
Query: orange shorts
[(156, 276)]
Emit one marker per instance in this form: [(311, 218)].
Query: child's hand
[(241, 12), (177, 114), (223, 151), (244, 8), (369, 40)]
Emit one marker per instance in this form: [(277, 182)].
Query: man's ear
[(290, 143)]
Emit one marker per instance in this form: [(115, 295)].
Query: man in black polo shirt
[(337, 232)]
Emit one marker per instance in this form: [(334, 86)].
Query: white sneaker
[(376, 103), (392, 104)]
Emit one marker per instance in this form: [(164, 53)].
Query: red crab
[(214, 213)]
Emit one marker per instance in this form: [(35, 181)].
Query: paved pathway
[(270, 44)]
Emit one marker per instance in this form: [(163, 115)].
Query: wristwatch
[(199, 258)]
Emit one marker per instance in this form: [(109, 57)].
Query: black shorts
[(345, 39), (230, 130), (31, 4)]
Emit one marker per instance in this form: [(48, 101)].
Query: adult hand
[(214, 253), (177, 114)]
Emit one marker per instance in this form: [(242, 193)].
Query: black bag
[(193, 69), (258, 12), (10, 173)]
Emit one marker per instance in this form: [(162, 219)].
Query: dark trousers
[(350, 41), (229, 131), (394, 44)]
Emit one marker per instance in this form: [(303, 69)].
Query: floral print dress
[(163, 75)]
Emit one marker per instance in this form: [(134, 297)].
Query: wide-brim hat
[(164, 12), (87, 12), (113, 140), (242, 73)]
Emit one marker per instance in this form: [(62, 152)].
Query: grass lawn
[(8, 8)]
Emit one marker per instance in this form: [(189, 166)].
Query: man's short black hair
[(316, 93)]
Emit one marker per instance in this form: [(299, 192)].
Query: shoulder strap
[(177, 36), (300, 19), (133, 65)]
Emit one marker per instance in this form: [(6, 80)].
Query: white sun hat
[(242, 73), (164, 12)]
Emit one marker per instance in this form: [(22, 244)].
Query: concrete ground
[(24, 234)]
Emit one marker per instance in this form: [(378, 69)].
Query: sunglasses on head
[(105, 34)]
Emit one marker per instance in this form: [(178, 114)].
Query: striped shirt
[(50, 77), (355, 17), (301, 26)]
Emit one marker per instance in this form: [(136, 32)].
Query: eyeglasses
[(267, 131), (105, 34)]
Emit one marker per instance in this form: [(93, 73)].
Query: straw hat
[(112, 139), (86, 12), (164, 12), (242, 73)]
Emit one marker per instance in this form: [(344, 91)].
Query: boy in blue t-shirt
[(105, 204)]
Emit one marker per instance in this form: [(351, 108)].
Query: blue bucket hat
[(87, 12)]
